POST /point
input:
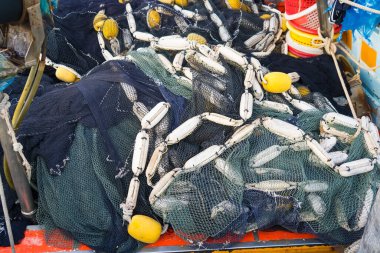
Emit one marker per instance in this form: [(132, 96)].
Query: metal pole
[(21, 183), (6, 216), (323, 17)]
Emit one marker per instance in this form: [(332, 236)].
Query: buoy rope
[(328, 44)]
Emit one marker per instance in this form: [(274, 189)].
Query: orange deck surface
[(34, 241)]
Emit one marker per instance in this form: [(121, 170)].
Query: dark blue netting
[(18, 222), (81, 6), (317, 73), (279, 210), (80, 138), (97, 99)]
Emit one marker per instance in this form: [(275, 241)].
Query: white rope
[(330, 48), (362, 7), (17, 147), (4, 106)]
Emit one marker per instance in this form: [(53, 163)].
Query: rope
[(330, 48), (17, 147), (362, 7), (4, 106)]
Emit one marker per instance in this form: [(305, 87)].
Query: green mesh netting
[(148, 61), (207, 203), (85, 196)]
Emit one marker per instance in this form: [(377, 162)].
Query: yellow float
[(65, 75), (144, 229), (265, 16), (305, 38), (197, 38), (171, 2), (153, 19), (99, 21), (277, 82), (237, 5), (303, 90), (283, 24), (182, 3), (110, 29)]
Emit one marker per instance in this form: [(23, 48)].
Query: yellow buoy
[(65, 75), (144, 229), (303, 90), (153, 19), (277, 82), (265, 16), (196, 37), (171, 2), (237, 5), (99, 21), (182, 3), (110, 29), (283, 24)]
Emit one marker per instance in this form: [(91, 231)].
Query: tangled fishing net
[(175, 125)]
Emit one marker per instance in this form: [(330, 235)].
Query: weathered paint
[(371, 79)]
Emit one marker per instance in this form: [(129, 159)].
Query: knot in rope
[(328, 44), (325, 42), (17, 147)]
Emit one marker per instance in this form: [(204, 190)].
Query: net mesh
[(96, 223), (208, 203)]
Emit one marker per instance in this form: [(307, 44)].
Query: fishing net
[(88, 129), (266, 181), (81, 138), (73, 24), (319, 80), (147, 60)]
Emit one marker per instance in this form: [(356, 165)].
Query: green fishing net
[(148, 62), (83, 198), (210, 201)]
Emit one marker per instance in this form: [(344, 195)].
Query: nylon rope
[(331, 48), (362, 7), (4, 105)]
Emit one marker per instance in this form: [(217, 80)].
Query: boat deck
[(275, 240)]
